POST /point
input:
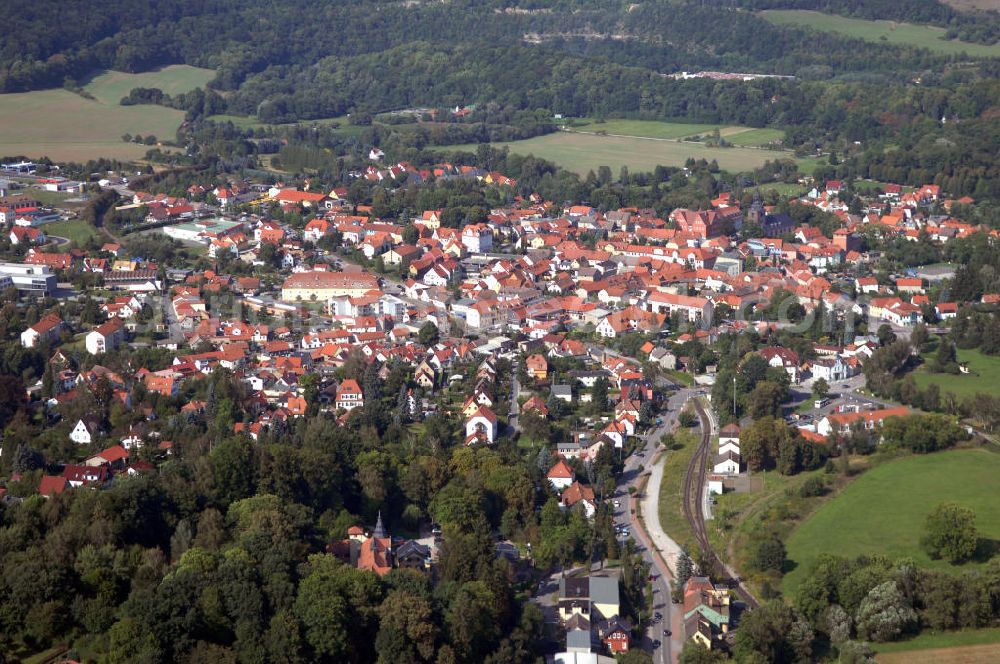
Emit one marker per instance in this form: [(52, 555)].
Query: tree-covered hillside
[(48, 40)]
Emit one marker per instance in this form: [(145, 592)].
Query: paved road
[(174, 331), (515, 410), (652, 542)]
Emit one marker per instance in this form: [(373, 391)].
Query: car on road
[(658, 616), (667, 632), (656, 644), (618, 503), (845, 386)]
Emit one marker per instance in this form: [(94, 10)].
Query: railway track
[(694, 508)]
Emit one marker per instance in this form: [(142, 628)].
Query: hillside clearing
[(585, 152), (65, 126), (983, 370), (735, 134), (882, 511), (891, 32)]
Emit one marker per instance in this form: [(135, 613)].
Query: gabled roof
[(561, 470)]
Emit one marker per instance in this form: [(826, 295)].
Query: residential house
[(577, 494), (830, 369), (561, 475), (537, 367), (593, 597), (85, 432), (477, 238), (105, 337), (706, 611), (349, 395), (46, 330), (616, 634), (412, 555), (693, 309), (784, 358), (841, 423)]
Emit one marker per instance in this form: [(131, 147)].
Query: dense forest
[(901, 114), (231, 37)]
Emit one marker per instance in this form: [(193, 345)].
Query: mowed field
[(884, 510), (970, 646), (74, 230), (737, 135), (890, 32), (982, 376), (63, 125), (584, 152)]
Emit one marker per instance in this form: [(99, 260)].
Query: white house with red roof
[(349, 395), (561, 475), (45, 330), (477, 238), (785, 358), (481, 427), (836, 423)]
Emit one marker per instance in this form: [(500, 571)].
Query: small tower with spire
[(379, 532)]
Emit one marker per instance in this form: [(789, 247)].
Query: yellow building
[(321, 286)]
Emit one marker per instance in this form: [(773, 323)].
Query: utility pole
[(734, 396)]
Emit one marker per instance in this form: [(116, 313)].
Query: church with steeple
[(366, 550), (771, 225)]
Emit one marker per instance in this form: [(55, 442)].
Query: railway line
[(694, 508)]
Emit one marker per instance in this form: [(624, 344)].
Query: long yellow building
[(321, 286)]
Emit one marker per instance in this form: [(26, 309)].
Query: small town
[(545, 332), (609, 377)]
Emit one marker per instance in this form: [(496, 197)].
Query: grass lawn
[(974, 654), (647, 128), (53, 198), (671, 504), (751, 136), (786, 189), (682, 377), (928, 640), (883, 510), (982, 377), (110, 86), (737, 135), (584, 152), (75, 230), (891, 32), (250, 122), (774, 504), (66, 127), (808, 165)]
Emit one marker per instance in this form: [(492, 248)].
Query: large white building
[(477, 238), (693, 308), (35, 279), (202, 231)]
